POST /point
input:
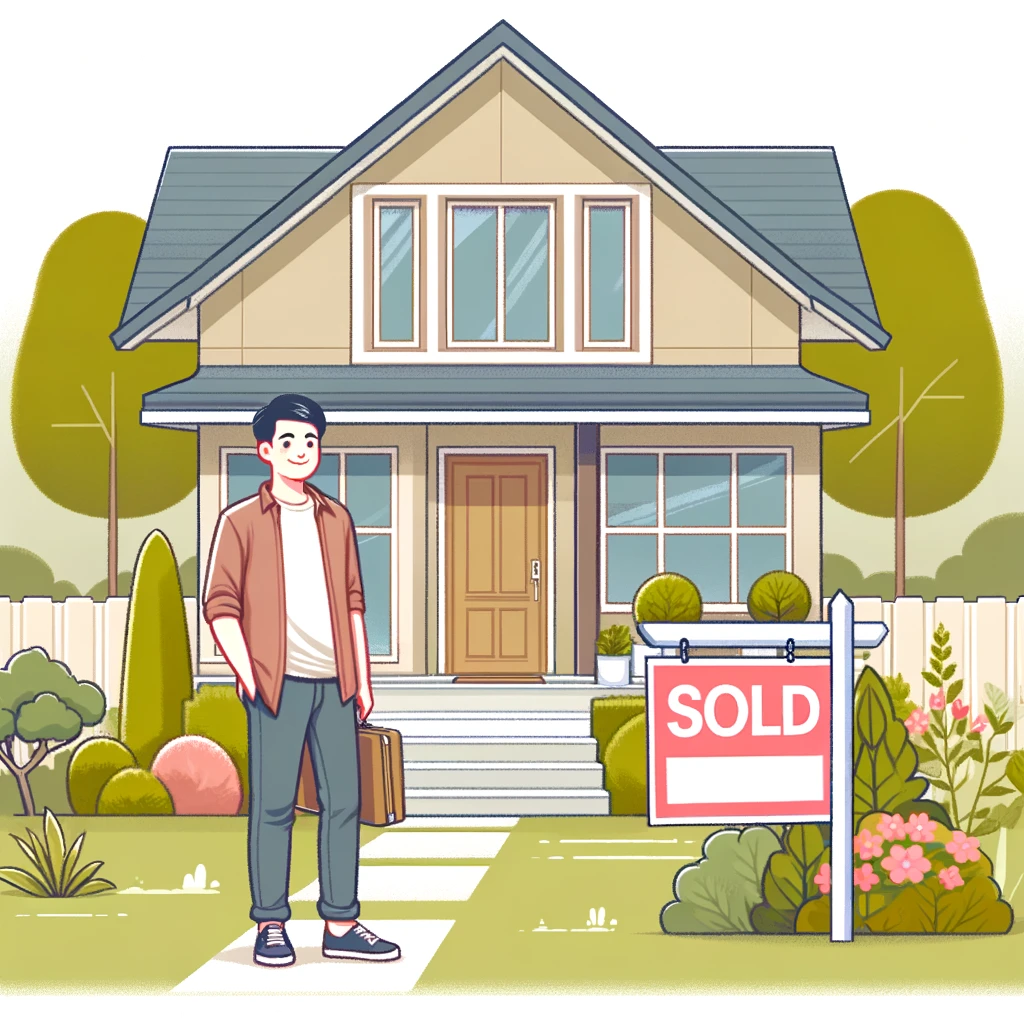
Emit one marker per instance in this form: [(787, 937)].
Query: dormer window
[(608, 261)]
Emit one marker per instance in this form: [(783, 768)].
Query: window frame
[(372, 303), (448, 279), (343, 452), (630, 276), (734, 531)]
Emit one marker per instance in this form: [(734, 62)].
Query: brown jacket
[(245, 580)]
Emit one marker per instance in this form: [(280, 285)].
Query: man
[(284, 600)]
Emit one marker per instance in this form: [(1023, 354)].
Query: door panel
[(495, 528)]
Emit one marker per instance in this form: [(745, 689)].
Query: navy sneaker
[(359, 943), (272, 947)]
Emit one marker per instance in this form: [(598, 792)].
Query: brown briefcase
[(381, 777)]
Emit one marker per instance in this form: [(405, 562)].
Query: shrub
[(24, 574), (667, 597), (199, 775), (779, 597), (609, 714), (157, 675), (625, 770), (899, 692), (93, 764), (615, 641), (216, 713), (134, 791)]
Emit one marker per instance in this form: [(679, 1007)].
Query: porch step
[(515, 802), (565, 749), (391, 697), (483, 723), (491, 776)]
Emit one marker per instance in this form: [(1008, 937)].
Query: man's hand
[(364, 701)]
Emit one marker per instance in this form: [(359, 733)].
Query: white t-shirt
[(309, 637)]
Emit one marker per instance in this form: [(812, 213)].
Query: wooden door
[(496, 571)]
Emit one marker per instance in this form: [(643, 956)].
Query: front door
[(495, 565)]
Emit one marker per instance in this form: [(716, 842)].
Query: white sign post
[(671, 747)]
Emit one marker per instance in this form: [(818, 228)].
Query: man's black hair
[(287, 407)]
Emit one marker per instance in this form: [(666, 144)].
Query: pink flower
[(963, 848), (823, 879), (960, 709), (917, 722), (979, 724), (950, 877), (892, 826), (937, 701), (865, 877), (867, 845), (921, 828), (906, 863)]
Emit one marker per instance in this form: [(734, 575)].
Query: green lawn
[(493, 945)]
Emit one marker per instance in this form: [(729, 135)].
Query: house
[(555, 358)]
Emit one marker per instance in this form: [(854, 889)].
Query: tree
[(156, 676), (43, 705), (929, 298), (24, 574), (68, 373)]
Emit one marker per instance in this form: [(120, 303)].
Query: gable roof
[(501, 42)]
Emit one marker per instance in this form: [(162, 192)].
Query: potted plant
[(614, 656), (663, 600)]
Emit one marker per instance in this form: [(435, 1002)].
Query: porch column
[(588, 510)]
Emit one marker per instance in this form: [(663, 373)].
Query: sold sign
[(738, 740)]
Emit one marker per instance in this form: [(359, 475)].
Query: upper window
[(607, 274), (719, 517), (500, 281), (395, 305), (364, 481)]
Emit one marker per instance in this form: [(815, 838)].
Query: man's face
[(295, 451)]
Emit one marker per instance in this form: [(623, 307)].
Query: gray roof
[(454, 389), (502, 35), (204, 199), (794, 198)]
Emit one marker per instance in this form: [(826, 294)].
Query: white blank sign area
[(410, 882), (434, 846), (232, 970), (735, 780)]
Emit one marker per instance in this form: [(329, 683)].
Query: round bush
[(779, 597), (667, 597), (134, 791), (200, 776), (625, 770), (93, 764)]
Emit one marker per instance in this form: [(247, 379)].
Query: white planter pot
[(614, 670)]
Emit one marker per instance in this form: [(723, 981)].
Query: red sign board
[(738, 740)]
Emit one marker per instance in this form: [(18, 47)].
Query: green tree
[(68, 373), (43, 705), (156, 677), (929, 297), (24, 574)]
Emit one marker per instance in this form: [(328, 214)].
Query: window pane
[(633, 490), (396, 270), (762, 490), (475, 272), (631, 560), (375, 564), (759, 555), (526, 274), (703, 559), (368, 489), (697, 490), (247, 472), (607, 273)]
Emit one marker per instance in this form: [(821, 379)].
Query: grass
[(537, 875)]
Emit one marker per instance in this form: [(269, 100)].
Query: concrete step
[(446, 696), (497, 748), (489, 775), (515, 802), (482, 723)]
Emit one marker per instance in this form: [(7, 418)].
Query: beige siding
[(561, 439), (774, 324), (220, 324), (411, 540), (806, 445)]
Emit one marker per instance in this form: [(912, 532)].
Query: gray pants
[(310, 708)]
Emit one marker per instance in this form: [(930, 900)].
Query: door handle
[(535, 577)]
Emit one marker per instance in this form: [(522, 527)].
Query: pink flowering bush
[(199, 775)]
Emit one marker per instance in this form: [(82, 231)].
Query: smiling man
[(284, 599)]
